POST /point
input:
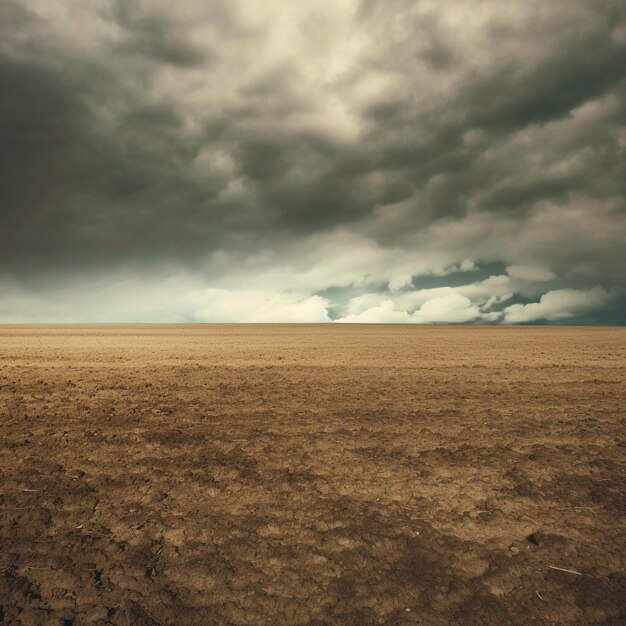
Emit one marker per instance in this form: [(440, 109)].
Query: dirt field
[(312, 475)]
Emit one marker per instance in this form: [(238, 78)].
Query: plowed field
[(312, 475)]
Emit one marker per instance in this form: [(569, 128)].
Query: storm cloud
[(236, 160)]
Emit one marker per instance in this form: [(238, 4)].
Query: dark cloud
[(151, 34), (144, 134), (37, 118)]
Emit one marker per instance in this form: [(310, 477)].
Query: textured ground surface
[(312, 475)]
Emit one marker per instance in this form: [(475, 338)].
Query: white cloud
[(412, 300), (496, 300), (222, 305), (397, 283), (339, 258), (452, 308), (557, 305), (180, 299), (383, 313), (364, 302), (498, 286)]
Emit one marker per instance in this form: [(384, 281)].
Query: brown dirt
[(312, 475)]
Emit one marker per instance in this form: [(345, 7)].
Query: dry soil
[(312, 475)]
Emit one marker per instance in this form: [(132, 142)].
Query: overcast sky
[(351, 160)]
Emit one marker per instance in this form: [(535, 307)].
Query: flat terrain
[(312, 475)]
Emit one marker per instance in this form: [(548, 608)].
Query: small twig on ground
[(88, 532), (30, 490), (539, 595), (562, 569), (140, 525)]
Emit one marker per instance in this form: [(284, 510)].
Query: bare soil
[(312, 475)]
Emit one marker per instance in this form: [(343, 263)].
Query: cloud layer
[(407, 162)]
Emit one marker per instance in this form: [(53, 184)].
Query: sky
[(425, 161)]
